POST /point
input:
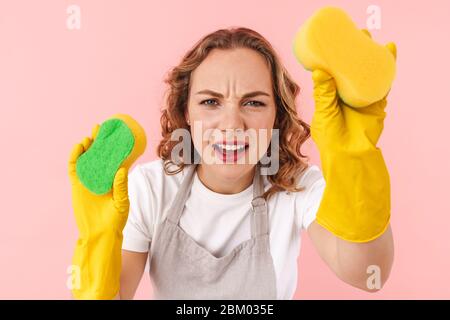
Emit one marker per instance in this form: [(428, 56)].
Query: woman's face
[(231, 111)]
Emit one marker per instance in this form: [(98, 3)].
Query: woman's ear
[(186, 116)]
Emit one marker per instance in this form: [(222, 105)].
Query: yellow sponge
[(330, 41)]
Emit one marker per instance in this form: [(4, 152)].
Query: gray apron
[(182, 269)]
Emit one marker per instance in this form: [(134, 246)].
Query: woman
[(220, 229)]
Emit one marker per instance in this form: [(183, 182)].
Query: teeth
[(231, 147)]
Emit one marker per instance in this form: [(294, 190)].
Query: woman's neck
[(224, 185)]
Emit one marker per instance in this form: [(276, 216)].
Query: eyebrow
[(247, 95)]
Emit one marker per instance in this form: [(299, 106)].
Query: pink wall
[(55, 83)]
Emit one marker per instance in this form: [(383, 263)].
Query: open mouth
[(230, 151)]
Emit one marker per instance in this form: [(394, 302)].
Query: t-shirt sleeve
[(308, 200), (137, 233)]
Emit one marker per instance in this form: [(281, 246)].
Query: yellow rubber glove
[(356, 201), (100, 220)]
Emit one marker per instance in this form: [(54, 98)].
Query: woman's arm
[(351, 261), (133, 265)]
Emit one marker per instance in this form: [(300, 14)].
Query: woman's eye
[(206, 102), (212, 102), (256, 103)]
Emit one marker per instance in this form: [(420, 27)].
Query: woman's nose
[(231, 118)]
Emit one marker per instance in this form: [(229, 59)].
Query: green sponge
[(119, 142)]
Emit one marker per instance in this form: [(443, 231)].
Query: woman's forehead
[(239, 68)]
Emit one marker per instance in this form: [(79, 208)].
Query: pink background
[(56, 83)]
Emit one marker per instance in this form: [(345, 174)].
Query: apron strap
[(177, 207), (259, 219)]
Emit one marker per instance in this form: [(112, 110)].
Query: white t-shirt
[(219, 222)]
